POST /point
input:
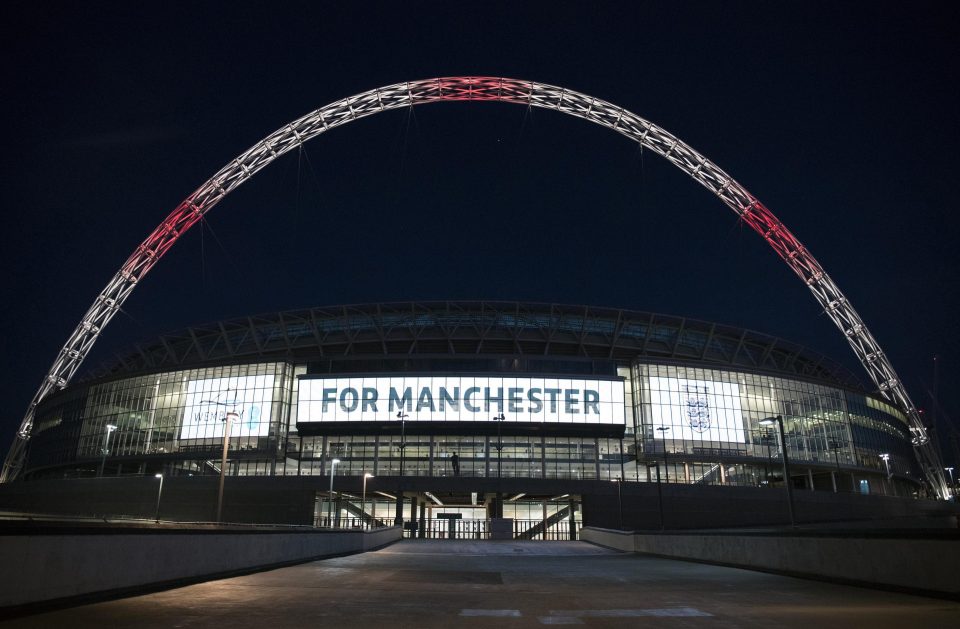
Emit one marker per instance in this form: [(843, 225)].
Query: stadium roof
[(477, 329)]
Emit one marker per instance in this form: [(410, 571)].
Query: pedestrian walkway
[(426, 584)]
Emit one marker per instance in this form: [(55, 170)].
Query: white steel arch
[(400, 95)]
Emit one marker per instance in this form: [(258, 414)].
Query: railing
[(447, 528), (467, 529), (336, 522)]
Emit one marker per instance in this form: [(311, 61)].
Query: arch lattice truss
[(529, 93)]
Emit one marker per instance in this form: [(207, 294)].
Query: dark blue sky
[(840, 117)]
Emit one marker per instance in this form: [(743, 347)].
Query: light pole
[(227, 422), (333, 472), (156, 515), (656, 464), (106, 447), (663, 437), (767, 438), (403, 437), (778, 420), (499, 419), (363, 501), (619, 482), (398, 518), (886, 462), (953, 487)]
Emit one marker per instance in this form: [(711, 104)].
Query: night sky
[(841, 117)]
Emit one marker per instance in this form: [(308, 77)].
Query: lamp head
[(368, 475), (111, 427), (335, 461), (158, 475)]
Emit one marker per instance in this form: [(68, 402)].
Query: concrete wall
[(290, 500), (910, 562), (59, 563), (255, 499), (703, 507)]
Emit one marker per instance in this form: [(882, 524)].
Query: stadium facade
[(471, 393)]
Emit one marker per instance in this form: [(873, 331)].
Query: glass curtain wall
[(714, 416), (182, 412)]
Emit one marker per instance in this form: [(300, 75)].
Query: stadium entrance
[(463, 515)]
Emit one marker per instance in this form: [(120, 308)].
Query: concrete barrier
[(904, 561), (61, 563)]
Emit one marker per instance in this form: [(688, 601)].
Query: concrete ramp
[(490, 547)]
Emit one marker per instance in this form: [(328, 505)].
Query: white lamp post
[(778, 420), (663, 437), (363, 501), (886, 462), (619, 483), (106, 447), (333, 471), (228, 420), (398, 519), (656, 464), (156, 515), (953, 487)]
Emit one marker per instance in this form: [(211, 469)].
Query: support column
[(422, 530), (544, 505), (810, 477), (573, 523), (398, 518), (596, 455), (543, 456), (430, 465), (323, 454), (486, 457), (833, 480)]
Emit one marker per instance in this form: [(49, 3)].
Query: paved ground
[(504, 585)]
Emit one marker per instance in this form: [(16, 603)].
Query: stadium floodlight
[(778, 420)]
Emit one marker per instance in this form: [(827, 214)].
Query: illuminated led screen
[(208, 402), (696, 410), (461, 398)]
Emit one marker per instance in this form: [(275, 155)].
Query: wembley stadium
[(472, 411), (451, 416)]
